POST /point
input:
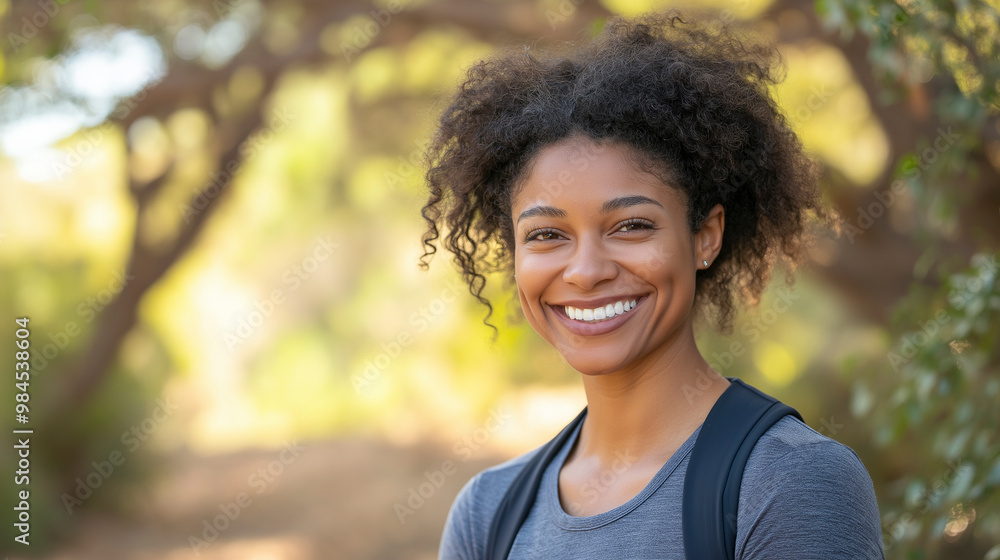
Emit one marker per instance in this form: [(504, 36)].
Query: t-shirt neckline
[(550, 487)]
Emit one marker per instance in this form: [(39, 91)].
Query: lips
[(596, 325)]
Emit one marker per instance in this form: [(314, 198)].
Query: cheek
[(657, 262), (535, 274), (533, 311)]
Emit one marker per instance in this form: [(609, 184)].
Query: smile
[(599, 314), (592, 319)]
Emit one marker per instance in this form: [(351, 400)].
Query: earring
[(704, 263)]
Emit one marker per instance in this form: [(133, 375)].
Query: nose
[(590, 264)]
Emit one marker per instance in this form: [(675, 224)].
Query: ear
[(708, 239)]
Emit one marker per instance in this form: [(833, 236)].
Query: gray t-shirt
[(803, 496)]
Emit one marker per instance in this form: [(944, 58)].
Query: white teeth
[(600, 313)]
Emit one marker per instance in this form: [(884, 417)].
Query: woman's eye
[(542, 235), (635, 224)]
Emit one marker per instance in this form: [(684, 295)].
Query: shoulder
[(803, 491), (793, 452), (790, 437), (471, 514)]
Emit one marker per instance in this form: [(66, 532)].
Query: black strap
[(516, 503), (715, 470), (711, 486)]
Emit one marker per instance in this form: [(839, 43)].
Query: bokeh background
[(209, 214)]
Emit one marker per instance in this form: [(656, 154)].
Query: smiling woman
[(626, 185), (614, 237)]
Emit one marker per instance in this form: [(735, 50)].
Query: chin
[(594, 361)]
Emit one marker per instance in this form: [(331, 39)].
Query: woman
[(627, 185)]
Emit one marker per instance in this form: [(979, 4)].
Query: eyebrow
[(609, 206), (627, 201)]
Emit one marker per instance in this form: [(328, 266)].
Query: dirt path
[(323, 500)]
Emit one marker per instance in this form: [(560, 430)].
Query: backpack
[(711, 485)]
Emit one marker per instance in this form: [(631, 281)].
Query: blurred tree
[(292, 35)]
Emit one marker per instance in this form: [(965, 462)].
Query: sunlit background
[(209, 214)]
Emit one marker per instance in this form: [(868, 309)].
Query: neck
[(646, 409)]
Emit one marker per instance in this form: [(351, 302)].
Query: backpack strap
[(711, 485), (715, 470), (517, 502)]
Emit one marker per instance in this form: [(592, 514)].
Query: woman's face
[(604, 259)]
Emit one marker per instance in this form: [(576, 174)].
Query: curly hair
[(692, 103)]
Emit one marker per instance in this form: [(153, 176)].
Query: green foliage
[(945, 50), (935, 422), (910, 38), (931, 403)]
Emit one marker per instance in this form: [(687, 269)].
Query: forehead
[(579, 170)]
